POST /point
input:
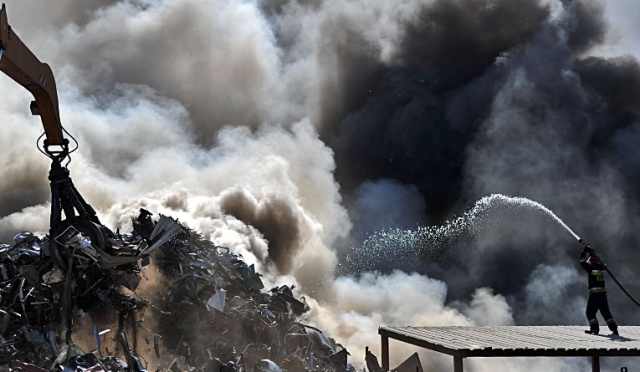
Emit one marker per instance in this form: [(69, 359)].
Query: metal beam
[(384, 342), (457, 364), (595, 363)]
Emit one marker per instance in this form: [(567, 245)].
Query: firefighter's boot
[(594, 329), (613, 326)]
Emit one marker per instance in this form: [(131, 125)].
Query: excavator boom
[(20, 64)]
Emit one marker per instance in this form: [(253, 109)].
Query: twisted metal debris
[(163, 298)]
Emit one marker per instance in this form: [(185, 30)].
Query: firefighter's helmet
[(595, 260)]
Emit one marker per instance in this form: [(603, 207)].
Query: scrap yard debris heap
[(163, 298)]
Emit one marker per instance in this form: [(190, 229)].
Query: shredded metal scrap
[(204, 309)]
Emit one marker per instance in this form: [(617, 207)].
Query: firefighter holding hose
[(596, 270)]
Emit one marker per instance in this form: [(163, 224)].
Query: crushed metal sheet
[(411, 364), (217, 300)]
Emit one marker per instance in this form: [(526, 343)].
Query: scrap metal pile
[(162, 298)]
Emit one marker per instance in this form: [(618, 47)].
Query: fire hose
[(612, 276)]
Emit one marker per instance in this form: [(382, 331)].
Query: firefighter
[(597, 292)]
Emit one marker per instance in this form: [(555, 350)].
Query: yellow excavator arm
[(20, 64)]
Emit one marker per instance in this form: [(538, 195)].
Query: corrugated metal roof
[(519, 340)]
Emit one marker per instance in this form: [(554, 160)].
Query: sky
[(352, 147)]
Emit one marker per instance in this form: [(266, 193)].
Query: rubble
[(160, 298)]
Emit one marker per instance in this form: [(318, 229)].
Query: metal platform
[(514, 341)]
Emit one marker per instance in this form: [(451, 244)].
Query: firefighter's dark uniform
[(597, 295)]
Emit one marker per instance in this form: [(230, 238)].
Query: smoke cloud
[(291, 131)]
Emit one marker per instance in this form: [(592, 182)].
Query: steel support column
[(457, 364), (385, 352), (595, 363)]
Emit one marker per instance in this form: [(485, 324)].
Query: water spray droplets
[(407, 249)]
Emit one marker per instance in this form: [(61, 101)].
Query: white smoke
[(362, 305), (549, 285)]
